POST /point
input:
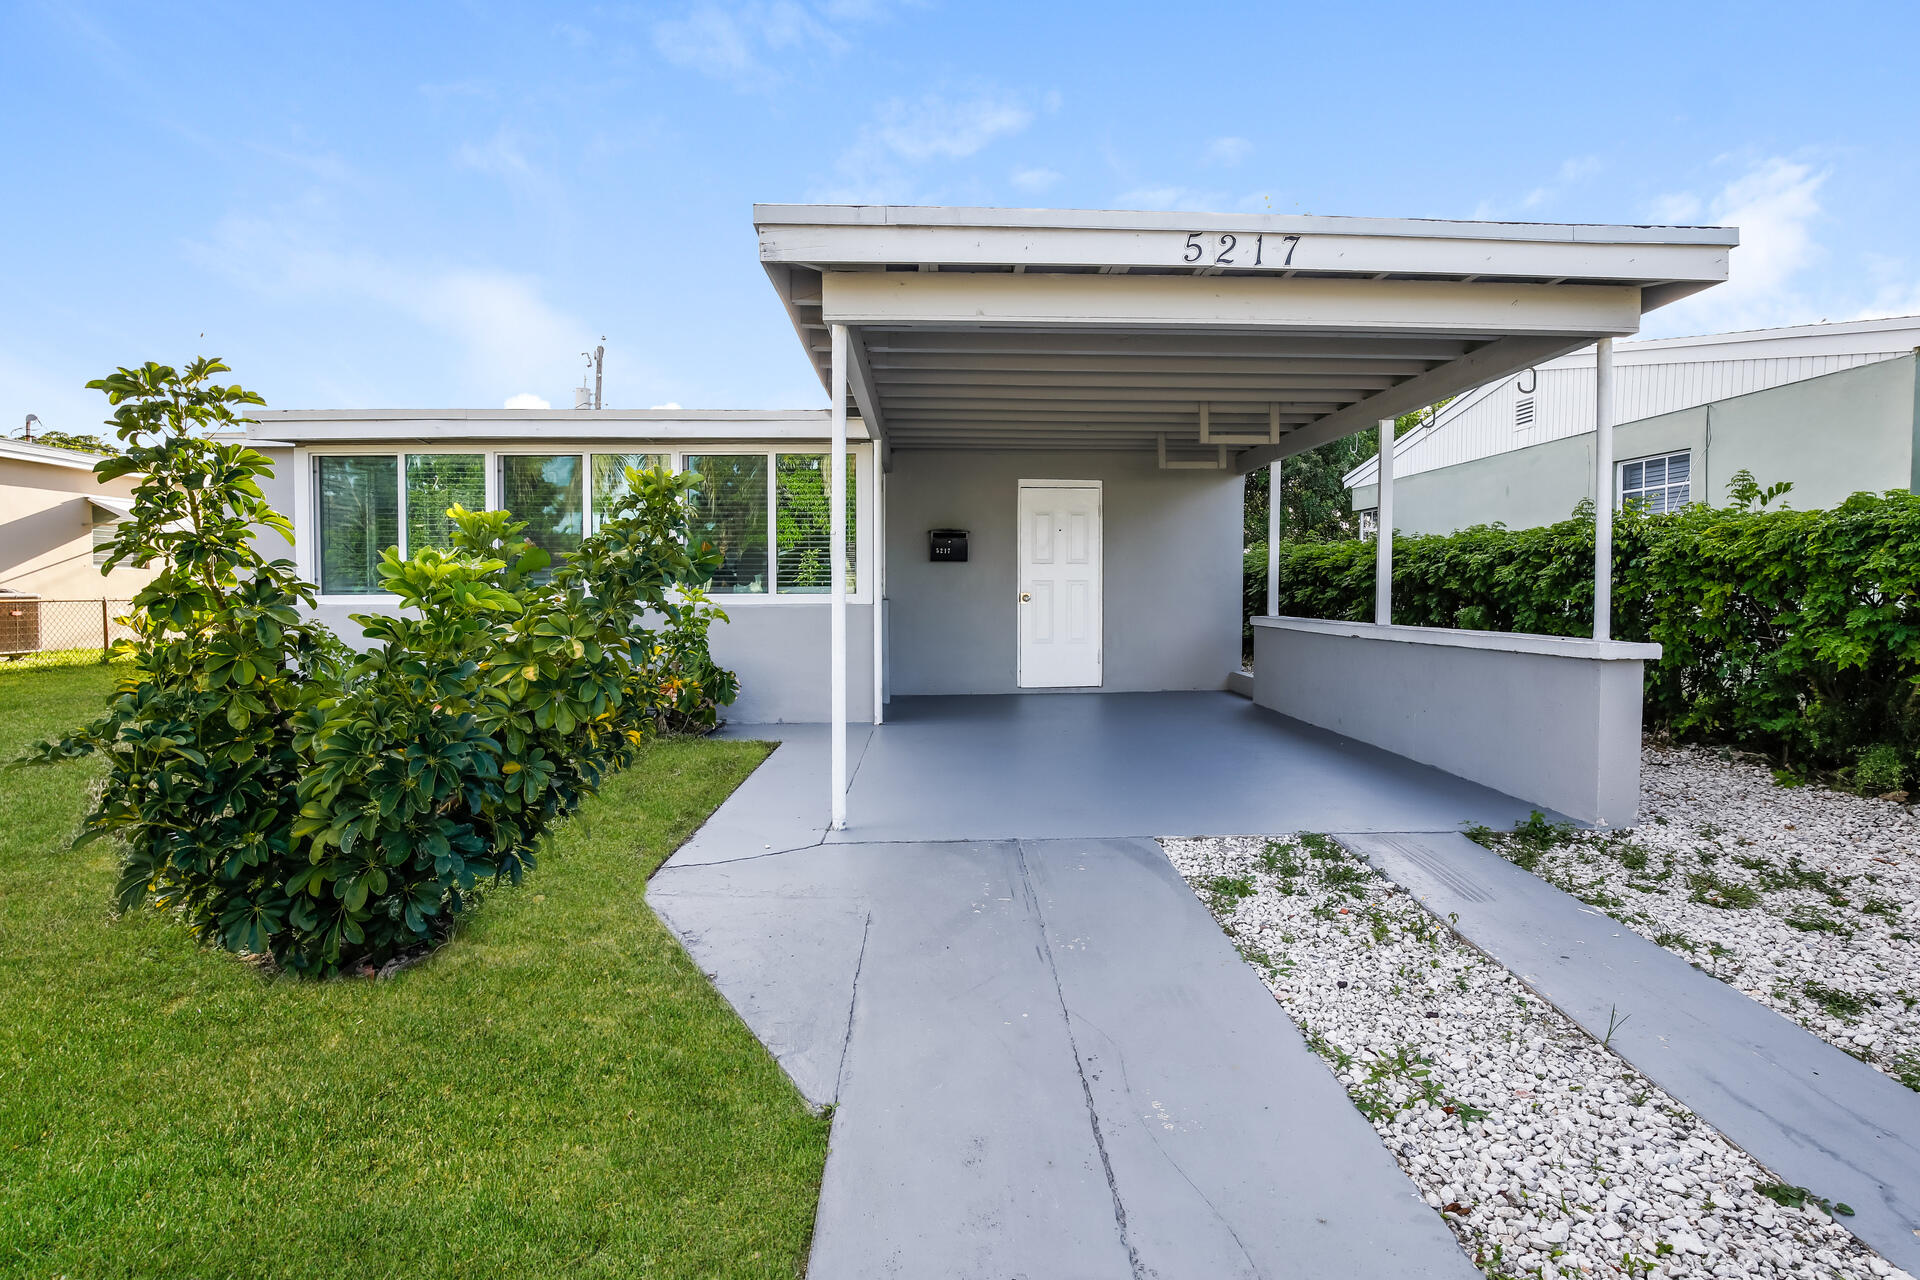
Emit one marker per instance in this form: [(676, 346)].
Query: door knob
[(1025, 596)]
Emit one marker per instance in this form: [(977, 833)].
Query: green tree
[(75, 440), (1315, 505)]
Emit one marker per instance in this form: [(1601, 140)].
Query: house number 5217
[(1226, 249)]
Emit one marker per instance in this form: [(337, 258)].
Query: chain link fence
[(59, 633)]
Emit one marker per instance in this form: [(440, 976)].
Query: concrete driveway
[(1046, 1059)]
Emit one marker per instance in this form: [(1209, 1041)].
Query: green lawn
[(558, 1092)]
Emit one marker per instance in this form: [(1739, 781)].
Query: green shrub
[(284, 797), (1790, 632), (1882, 768)]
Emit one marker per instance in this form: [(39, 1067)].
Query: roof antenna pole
[(32, 418), (599, 367)]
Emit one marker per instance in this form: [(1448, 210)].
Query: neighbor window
[(730, 509), (103, 535), (610, 479), (803, 528), (436, 481), (359, 517), (1657, 485), (545, 491)]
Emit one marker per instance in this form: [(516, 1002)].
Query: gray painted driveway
[(1046, 1059), (1048, 1062)]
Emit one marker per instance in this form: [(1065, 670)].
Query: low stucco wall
[(1549, 720), (779, 651), (1171, 570)]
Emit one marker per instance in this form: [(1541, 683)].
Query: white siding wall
[(1649, 378)]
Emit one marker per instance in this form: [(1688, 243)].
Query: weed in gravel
[(1277, 860), (1675, 941), (1906, 1069), (1345, 877), (1632, 857), (1810, 920), (1790, 1197), (1224, 892), (1710, 890), (1844, 1005), (1886, 908), (1321, 847)]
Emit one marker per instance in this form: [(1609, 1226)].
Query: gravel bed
[(1806, 899), (1544, 1152)]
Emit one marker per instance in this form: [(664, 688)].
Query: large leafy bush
[(1796, 633), (285, 796)]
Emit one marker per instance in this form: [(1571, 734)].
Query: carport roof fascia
[(839, 215)]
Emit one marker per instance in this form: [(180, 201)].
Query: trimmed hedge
[(1796, 633)]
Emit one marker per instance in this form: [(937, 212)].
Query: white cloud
[(939, 128), (669, 405), (1227, 151), (499, 322), (526, 400), (1775, 204), (877, 168), (1034, 179), (1159, 198), (741, 42), (1677, 209), (501, 156), (1572, 172)]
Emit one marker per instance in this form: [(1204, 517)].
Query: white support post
[(1603, 489), (1383, 533), (837, 575), (1273, 538), (877, 588)]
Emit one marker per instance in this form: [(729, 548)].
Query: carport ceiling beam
[(1490, 363), (899, 364), (1129, 378), (1092, 301), (887, 343), (860, 382)]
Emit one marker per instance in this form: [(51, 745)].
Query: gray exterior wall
[(1831, 436), (1550, 720), (1172, 570)]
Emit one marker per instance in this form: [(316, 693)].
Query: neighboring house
[(1832, 408), (1050, 414), (55, 521)]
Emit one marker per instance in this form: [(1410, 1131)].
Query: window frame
[(1667, 456), (306, 508)]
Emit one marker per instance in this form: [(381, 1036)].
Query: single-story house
[(1048, 415), (56, 520), (1832, 408)]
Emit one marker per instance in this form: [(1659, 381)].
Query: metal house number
[(1225, 249)]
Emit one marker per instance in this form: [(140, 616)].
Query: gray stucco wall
[(779, 651), (1831, 436), (1172, 570), (1550, 720)]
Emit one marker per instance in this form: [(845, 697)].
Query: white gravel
[(1806, 899), (1544, 1152)]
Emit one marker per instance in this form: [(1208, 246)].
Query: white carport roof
[(1241, 337)]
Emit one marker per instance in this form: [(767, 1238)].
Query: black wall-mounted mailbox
[(949, 545)]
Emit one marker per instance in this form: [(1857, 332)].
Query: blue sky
[(431, 205)]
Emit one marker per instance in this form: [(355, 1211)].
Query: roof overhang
[(108, 509), (541, 428), (1197, 335)]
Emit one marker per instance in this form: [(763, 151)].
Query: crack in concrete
[(1126, 1085), (1134, 1261), (853, 997)]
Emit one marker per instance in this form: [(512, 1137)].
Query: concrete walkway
[(1048, 1062), (1815, 1116)]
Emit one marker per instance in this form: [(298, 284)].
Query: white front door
[(1060, 572)]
